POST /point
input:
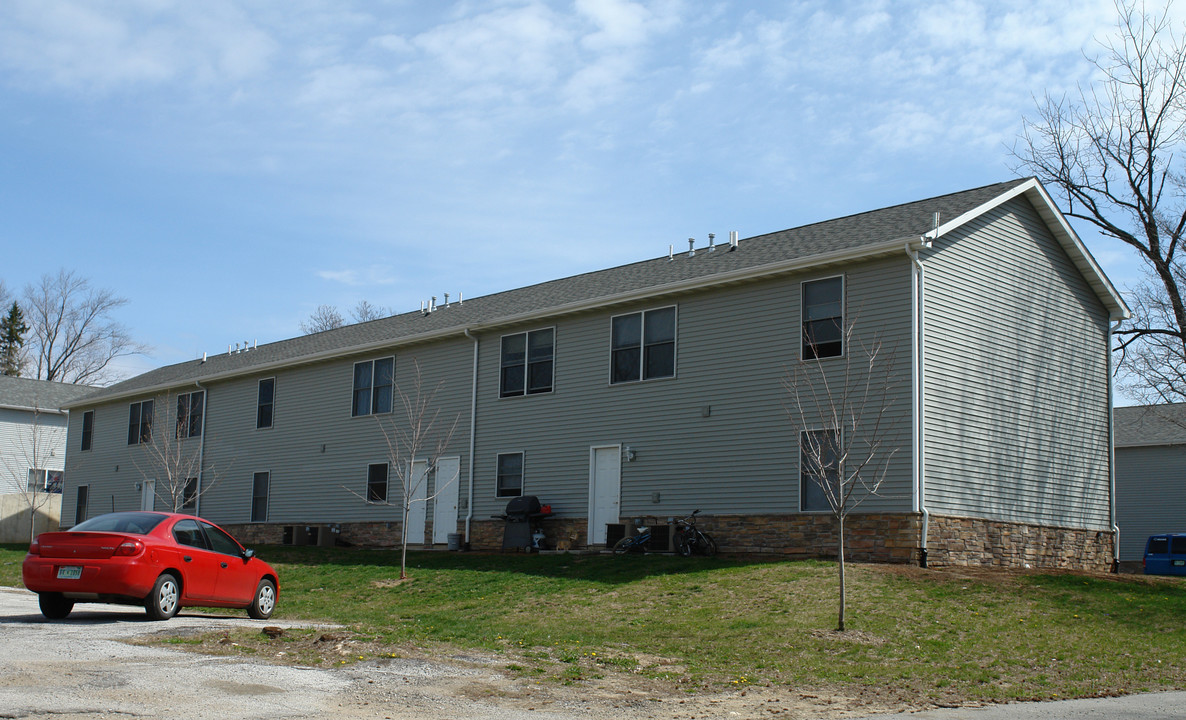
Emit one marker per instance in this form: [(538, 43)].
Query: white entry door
[(605, 488), (444, 507), (148, 495), (417, 511)]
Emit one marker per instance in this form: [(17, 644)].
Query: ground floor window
[(259, 496), (80, 503), (510, 475), (818, 464), (377, 482)]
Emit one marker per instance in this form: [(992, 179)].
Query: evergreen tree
[(12, 338)]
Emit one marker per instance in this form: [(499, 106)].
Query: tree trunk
[(403, 533), (840, 559)]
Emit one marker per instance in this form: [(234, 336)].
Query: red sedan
[(163, 561)]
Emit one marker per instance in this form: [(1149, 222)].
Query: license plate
[(69, 572), (1179, 563)]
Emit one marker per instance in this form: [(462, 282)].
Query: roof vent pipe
[(432, 304), (691, 247), (460, 299), (245, 347), (711, 237), (446, 299), (670, 252), (203, 357), (732, 240), (228, 349)]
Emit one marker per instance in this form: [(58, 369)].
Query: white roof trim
[(1062, 231)]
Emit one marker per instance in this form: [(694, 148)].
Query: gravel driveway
[(83, 667)]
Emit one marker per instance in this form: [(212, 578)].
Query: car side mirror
[(248, 554)]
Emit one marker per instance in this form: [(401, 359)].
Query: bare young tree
[(325, 317), (841, 411), (28, 469), (416, 439), (1114, 152), (170, 453), (365, 312), (72, 336)]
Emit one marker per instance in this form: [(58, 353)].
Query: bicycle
[(690, 539), (638, 542)]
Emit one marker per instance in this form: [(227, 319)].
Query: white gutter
[(917, 388), (1112, 460), (473, 420), (43, 411), (597, 303)]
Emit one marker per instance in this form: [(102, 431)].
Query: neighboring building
[(656, 388), (32, 448), (1150, 476)]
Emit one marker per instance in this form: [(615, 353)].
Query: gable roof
[(852, 237), (17, 393), (1149, 425)]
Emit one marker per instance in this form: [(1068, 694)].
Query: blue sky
[(229, 166)]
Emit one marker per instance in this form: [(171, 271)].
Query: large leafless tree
[(1114, 151), (841, 410), (73, 336)]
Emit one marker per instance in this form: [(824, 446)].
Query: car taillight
[(129, 548), (35, 548)]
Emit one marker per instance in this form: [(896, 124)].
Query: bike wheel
[(682, 546), (624, 545), (708, 546)]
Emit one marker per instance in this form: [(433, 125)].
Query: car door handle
[(223, 565), (187, 558)]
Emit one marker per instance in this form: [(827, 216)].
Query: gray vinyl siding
[(733, 350), (1150, 495), (1016, 397), (315, 451), (17, 452)]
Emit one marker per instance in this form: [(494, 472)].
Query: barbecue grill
[(522, 514)]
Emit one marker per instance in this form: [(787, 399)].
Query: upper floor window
[(373, 384), (88, 429), (643, 346), (509, 482), (823, 318), (527, 363), (190, 407), (140, 423), (265, 401)]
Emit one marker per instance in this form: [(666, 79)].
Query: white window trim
[(526, 363), (843, 317), (642, 355), (522, 474)]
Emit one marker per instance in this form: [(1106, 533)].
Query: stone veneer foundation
[(870, 538)]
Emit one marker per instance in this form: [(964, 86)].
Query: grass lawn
[(915, 636)]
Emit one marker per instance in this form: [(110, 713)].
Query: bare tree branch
[(28, 468), (170, 457), (325, 317)]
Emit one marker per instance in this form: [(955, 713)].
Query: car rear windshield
[(1178, 545), (136, 523), (1158, 545)]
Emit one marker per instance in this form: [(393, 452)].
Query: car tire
[(54, 606), (165, 599), (265, 600)]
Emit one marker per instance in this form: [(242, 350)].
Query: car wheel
[(165, 599), (54, 606), (265, 600)]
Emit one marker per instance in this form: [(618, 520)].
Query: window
[(140, 423), (189, 496), (220, 542), (264, 403), (819, 460), (80, 503), (49, 481), (189, 414), (373, 383), (377, 482), (527, 363), (189, 533), (510, 475), (88, 429), (259, 496), (643, 346), (823, 318)]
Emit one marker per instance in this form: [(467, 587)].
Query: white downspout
[(473, 420), (201, 447), (916, 383), (1112, 460)]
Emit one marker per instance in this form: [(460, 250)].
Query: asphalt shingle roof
[(1143, 425), (850, 233), (26, 393)]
